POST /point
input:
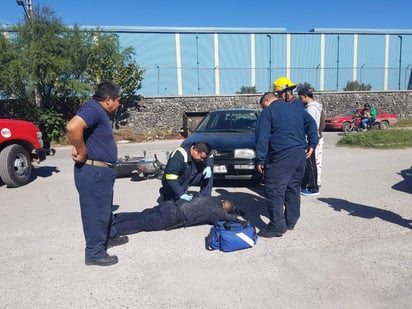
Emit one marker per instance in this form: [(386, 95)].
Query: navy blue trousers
[(157, 218), (283, 177), (95, 187)]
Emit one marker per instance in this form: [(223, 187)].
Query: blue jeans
[(283, 177), (367, 122)]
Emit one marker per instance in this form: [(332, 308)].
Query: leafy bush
[(54, 124), (356, 86), (380, 139)]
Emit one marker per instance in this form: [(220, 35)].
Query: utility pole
[(30, 8), (400, 62), (270, 61), (27, 7)]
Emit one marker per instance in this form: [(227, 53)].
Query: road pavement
[(350, 249)]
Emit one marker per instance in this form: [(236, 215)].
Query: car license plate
[(219, 169)]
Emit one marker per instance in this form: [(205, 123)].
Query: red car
[(339, 122)]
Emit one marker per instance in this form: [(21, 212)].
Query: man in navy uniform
[(94, 153), (281, 152)]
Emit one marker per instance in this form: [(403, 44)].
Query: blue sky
[(295, 16)]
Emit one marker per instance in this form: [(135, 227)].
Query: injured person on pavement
[(175, 214)]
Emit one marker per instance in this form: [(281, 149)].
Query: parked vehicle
[(231, 132), (339, 122), (21, 143)]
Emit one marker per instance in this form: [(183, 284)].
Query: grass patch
[(403, 123), (379, 139)]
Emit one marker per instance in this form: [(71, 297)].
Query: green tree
[(52, 68), (356, 86), (245, 89)]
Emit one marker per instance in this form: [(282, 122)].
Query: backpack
[(230, 236)]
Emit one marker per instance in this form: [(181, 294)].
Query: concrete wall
[(168, 112)]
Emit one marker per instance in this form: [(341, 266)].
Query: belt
[(98, 163)]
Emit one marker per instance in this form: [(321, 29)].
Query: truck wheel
[(15, 166)]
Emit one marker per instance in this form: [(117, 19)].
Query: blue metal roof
[(134, 29), (368, 31)]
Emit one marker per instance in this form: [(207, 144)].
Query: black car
[(231, 132)]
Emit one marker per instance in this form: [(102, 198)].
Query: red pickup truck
[(21, 143)]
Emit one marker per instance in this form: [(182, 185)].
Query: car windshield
[(229, 121)]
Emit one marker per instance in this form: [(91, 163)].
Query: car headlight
[(244, 154)]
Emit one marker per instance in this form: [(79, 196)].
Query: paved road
[(351, 248)]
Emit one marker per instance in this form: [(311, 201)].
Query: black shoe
[(271, 233), (104, 261), (291, 227), (117, 241)]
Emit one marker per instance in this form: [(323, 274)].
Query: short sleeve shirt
[(98, 136)]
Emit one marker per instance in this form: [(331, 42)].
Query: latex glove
[(186, 197), (207, 172)]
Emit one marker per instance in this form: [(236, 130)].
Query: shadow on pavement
[(367, 212), (45, 171), (254, 206), (406, 184)]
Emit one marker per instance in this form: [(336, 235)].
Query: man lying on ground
[(175, 214)]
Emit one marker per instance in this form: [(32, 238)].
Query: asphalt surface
[(352, 247)]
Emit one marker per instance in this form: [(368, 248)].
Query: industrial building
[(219, 61)]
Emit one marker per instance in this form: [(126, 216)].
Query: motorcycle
[(139, 168)]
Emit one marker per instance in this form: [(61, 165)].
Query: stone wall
[(168, 112)]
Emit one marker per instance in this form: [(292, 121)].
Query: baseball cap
[(306, 90)]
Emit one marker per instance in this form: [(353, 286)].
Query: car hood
[(223, 140)]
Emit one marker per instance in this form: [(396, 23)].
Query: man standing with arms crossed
[(94, 153), (281, 151)]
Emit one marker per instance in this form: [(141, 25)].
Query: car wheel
[(383, 125), (15, 166), (347, 130), (345, 126)]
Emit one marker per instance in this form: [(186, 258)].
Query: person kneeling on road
[(175, 214), (187, 166)]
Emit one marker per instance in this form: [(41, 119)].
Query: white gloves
[(207, 172), (186, 197)]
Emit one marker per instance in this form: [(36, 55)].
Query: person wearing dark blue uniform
[(187, 166), (285, 136), (176, 214), (94, 153)]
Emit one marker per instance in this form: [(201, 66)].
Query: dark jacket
[(170, 215), (284, 126), (201, 210), (179, 167)]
